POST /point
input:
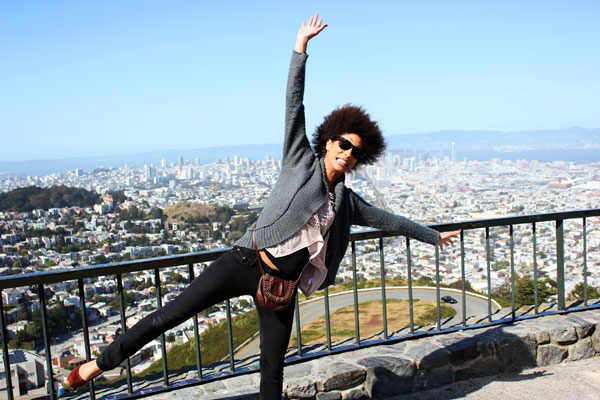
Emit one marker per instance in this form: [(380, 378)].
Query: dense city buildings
[(428, 190), (425, 189)]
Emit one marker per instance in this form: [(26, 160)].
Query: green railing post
[(124, 328), (585, 271), (463, 276), (298, 327), (535, 270), (355, 286), (437, 288), (327, 318), (86, 334), (5, 355), (410, 289), (512, 272), (383, 296), (45, 333), (196, 335), (489, 271), (163, 344), (230, 335), (560, 265)]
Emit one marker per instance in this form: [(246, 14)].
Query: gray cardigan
[(302, 188)]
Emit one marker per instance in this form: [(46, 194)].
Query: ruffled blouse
[(312, 236)]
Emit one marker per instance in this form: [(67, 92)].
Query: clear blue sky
[(81, 78)]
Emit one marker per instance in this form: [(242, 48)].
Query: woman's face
[(340, 161)]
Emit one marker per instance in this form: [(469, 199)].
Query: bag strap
[(262, 271)]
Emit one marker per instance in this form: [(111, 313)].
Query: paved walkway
[(578, 380)]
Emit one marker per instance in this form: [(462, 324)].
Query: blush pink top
[(313, 236)]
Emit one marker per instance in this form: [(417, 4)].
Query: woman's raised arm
[(308, 31)]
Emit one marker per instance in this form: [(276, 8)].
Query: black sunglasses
[(345, 144)]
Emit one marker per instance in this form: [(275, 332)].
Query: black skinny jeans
[(234, 274)]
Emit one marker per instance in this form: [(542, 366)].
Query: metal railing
[(303, 353)]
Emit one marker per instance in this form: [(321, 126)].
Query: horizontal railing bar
[(123, 267), (486, 223), (516, 220), (120, 267)]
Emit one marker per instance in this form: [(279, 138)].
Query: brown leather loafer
[(74, 380)]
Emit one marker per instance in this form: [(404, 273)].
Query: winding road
[(313, 309)]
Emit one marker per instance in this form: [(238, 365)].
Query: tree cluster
[(118, 196), (525, 291), (33, 197), (60, 320), (132, 213), (239, 225), (220, 214), (578, 292)]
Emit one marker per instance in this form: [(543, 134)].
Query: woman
[(310, 188)]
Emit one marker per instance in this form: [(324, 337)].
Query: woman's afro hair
[(350, 119)]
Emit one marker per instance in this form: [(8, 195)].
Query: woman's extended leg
[(275, 329), (233, 274)]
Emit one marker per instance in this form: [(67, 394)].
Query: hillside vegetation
[(213, 344), (33, 197), (185, 211), (198, 213)]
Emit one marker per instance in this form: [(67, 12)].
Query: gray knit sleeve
[(296, 147), (367, 215)]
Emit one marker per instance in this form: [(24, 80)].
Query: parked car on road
[(449, 299)]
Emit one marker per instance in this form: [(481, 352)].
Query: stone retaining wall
[(385, 371)]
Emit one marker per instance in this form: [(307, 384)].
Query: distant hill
[(205, 155), (543, 145), (572, 138), (33, 197), (185, 211)]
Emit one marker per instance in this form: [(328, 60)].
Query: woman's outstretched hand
[(308, 31), (446, 238)]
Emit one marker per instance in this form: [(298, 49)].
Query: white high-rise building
[(453, 159), (388, 160)]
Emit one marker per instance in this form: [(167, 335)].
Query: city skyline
[(572, 145), (112, 78)]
